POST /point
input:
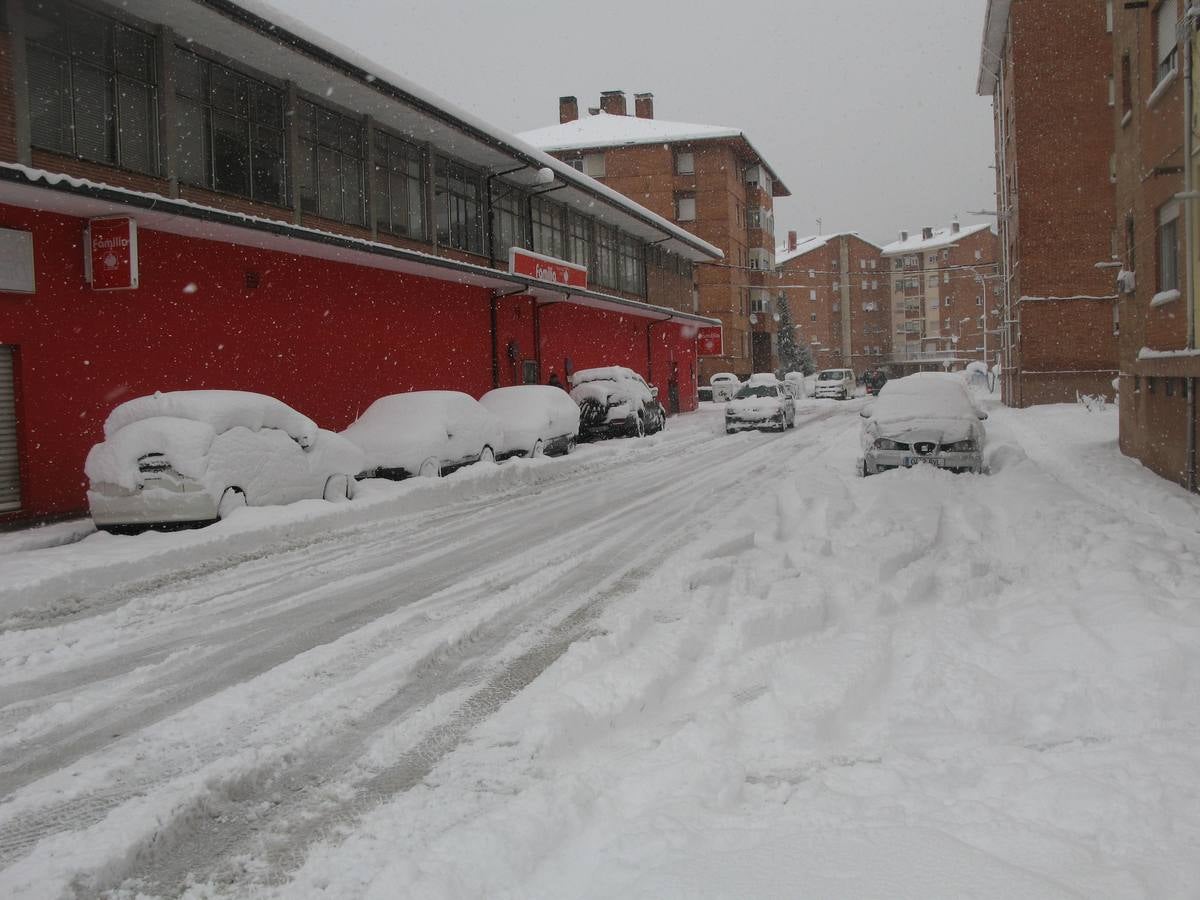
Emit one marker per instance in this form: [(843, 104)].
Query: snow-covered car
[(424, 433), (836, 383), (183, 459), (537, 419), (614, 400), (794, 383), (724, 386), (922, 419), (763, 403)]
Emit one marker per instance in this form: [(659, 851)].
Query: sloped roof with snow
[(942, 237), (606, 130), (813, 242)]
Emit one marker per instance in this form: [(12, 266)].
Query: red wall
[(326, 338)]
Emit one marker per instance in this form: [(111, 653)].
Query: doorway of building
[(10, 470), (760, 352)]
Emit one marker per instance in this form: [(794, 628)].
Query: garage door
[(10, 476)]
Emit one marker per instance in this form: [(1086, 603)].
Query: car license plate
[(923, 460)]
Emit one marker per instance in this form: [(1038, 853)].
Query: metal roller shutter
[(10, 475)]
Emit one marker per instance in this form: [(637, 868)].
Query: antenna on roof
[(818, 226)]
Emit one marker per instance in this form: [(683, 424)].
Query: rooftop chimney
[(643, 106), (903, 236), (613, 103), (955, 227), (792, 240), (568, 110), (927, 232)]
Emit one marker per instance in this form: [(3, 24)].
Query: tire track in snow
[(18, 837)]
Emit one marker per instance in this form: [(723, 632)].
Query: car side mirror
[(654, 392), (865, 413), (982, 415)]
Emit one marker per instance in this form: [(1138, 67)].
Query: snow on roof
[(605, 130), (995, 29), (290, 35), (942, 237), (813, 242), (220, 409)]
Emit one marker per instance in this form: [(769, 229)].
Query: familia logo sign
[(112, 254), (546, 268)]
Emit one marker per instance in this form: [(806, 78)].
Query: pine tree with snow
[(794, 356)]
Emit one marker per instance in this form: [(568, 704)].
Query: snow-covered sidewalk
[(694, 666)]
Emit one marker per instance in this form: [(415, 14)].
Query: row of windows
[(94, 94)]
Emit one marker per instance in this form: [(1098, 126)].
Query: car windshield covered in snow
[(833, 375), (757, 390)]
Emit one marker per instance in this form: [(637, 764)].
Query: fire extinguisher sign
[(111, 254)]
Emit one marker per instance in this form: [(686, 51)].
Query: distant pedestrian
[(554, 380)]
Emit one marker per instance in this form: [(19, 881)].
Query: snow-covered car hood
[(938, 431)]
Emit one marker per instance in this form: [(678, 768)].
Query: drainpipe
[(1189, 224)]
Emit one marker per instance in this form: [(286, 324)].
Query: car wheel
[(862, 468), (431, 468), (571, 445), (232, 498), (487, 455), (539, 449), (639, 427), (338, 488)]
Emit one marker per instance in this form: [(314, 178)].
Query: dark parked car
[(615, 401)]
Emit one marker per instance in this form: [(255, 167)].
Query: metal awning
[(61, 194)]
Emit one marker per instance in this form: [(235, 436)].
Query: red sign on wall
[(112, 254), (546, 268), (708, 341)]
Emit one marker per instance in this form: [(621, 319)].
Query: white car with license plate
[(761, 403), (926, 419), (182, 459)]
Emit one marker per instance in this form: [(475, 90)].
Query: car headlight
[(967, 446), (886, 444)]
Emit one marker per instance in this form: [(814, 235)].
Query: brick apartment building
[(838, 288), (1048, 67), (708, 179), (944, 292), (293, 220), (1159, 362)]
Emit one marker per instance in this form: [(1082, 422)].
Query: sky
[(865, 108)]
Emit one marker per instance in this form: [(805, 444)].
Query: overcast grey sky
[(865, 108)]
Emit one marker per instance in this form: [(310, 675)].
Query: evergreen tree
[(794, 355)]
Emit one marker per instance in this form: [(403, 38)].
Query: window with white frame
[(1166, 49), (864, 284), (760, 301), (812, 317), (685, 208), (812, 295), (593, 164), (685, 163), (1108, 16)]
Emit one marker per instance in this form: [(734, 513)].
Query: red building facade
[(372, 274)]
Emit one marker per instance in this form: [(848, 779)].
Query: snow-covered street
[(690, 665)]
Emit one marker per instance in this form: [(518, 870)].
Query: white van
[(836, 383)]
